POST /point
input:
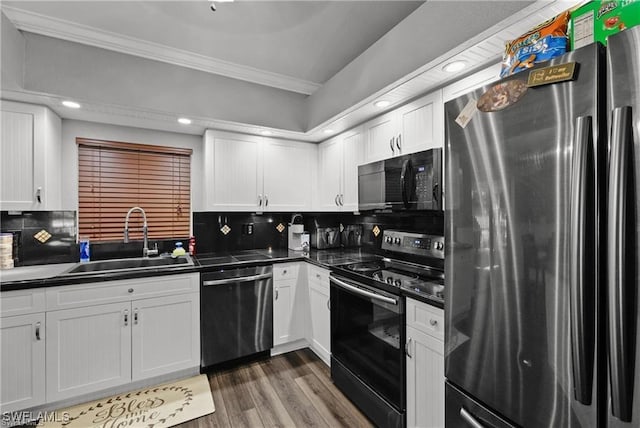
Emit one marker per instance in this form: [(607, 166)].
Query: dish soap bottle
[(178, 251)]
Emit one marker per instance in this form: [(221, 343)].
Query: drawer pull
[(130, 290), (318, 275), (433, 322), (38, 330), (284, 272)]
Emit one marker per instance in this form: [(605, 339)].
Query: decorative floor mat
[(159, 406)]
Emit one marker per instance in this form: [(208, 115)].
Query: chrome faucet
[(146, 252)]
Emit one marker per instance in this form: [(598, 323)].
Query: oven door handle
[(362, 292)]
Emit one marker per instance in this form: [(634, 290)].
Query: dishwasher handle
[(238, 279)]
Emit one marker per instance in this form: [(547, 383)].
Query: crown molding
[(67, 30)]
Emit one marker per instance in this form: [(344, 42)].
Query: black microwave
[(408, 182)]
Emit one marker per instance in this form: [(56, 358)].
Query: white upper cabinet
[(250, 173), (30, 157), (338, 160), (352, 155), (411, 128), (233, 172), (381, 134), (329, 174), (422, 124), (288, 171)]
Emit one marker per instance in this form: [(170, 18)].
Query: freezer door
[(521, 275), (623, 61), (462, 411)]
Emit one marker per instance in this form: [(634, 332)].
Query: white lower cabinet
[(22, 361), (102, 336), (88, 349), (425, 366), (164, 339), (289, 301), (319, 302)]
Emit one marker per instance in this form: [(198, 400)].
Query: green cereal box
[(597, 20)]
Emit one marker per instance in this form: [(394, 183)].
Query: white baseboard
[(289, 347)]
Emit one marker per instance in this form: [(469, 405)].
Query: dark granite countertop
[(53, 275)]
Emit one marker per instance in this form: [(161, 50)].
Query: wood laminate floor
[(289, 390)]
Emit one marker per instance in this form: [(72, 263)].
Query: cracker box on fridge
[(597, 20)]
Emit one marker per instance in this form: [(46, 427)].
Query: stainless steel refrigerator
[(541, 259)]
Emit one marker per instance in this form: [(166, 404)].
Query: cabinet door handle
[(276, 294), (341, 199), (39, 195), (266, 200), (329, 304), (259, 200), (126, 317), (433, 322), (38, 330), (399, 142), (393, 152), (407, 347), (336, 199), (135, 316)]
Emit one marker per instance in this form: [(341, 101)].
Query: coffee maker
[(298, 238)]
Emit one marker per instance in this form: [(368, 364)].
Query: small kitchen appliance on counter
[(368, 321), (298, 238), (351, 235), (323, 237)]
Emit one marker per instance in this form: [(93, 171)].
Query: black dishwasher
[(236, 314)]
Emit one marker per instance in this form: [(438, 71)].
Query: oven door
[(368, 336)]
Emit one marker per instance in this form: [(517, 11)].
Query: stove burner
[(365, 267)]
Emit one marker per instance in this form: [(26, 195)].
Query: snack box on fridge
[(597, 20)]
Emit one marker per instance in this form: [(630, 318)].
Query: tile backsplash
[(59, 247), (219, 232), (209, 228)]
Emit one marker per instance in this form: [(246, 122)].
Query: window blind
[(114, 177)]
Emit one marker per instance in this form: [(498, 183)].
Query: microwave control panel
[(413, 243)]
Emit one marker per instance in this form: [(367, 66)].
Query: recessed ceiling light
[(382, 103), (455, 66), (71, 104), (328, 131), (184, 121), (266, 132)]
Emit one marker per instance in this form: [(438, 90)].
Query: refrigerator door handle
[(620, 265), (469, 419), (582, 261)]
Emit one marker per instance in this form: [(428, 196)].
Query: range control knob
[(397, 283), (388, 239), (439, 245), (396, 241), (389, 281)]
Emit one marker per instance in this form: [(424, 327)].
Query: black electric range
[(393, 274), (368, 321)]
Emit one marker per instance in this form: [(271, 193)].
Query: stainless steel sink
[(127, 264)]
